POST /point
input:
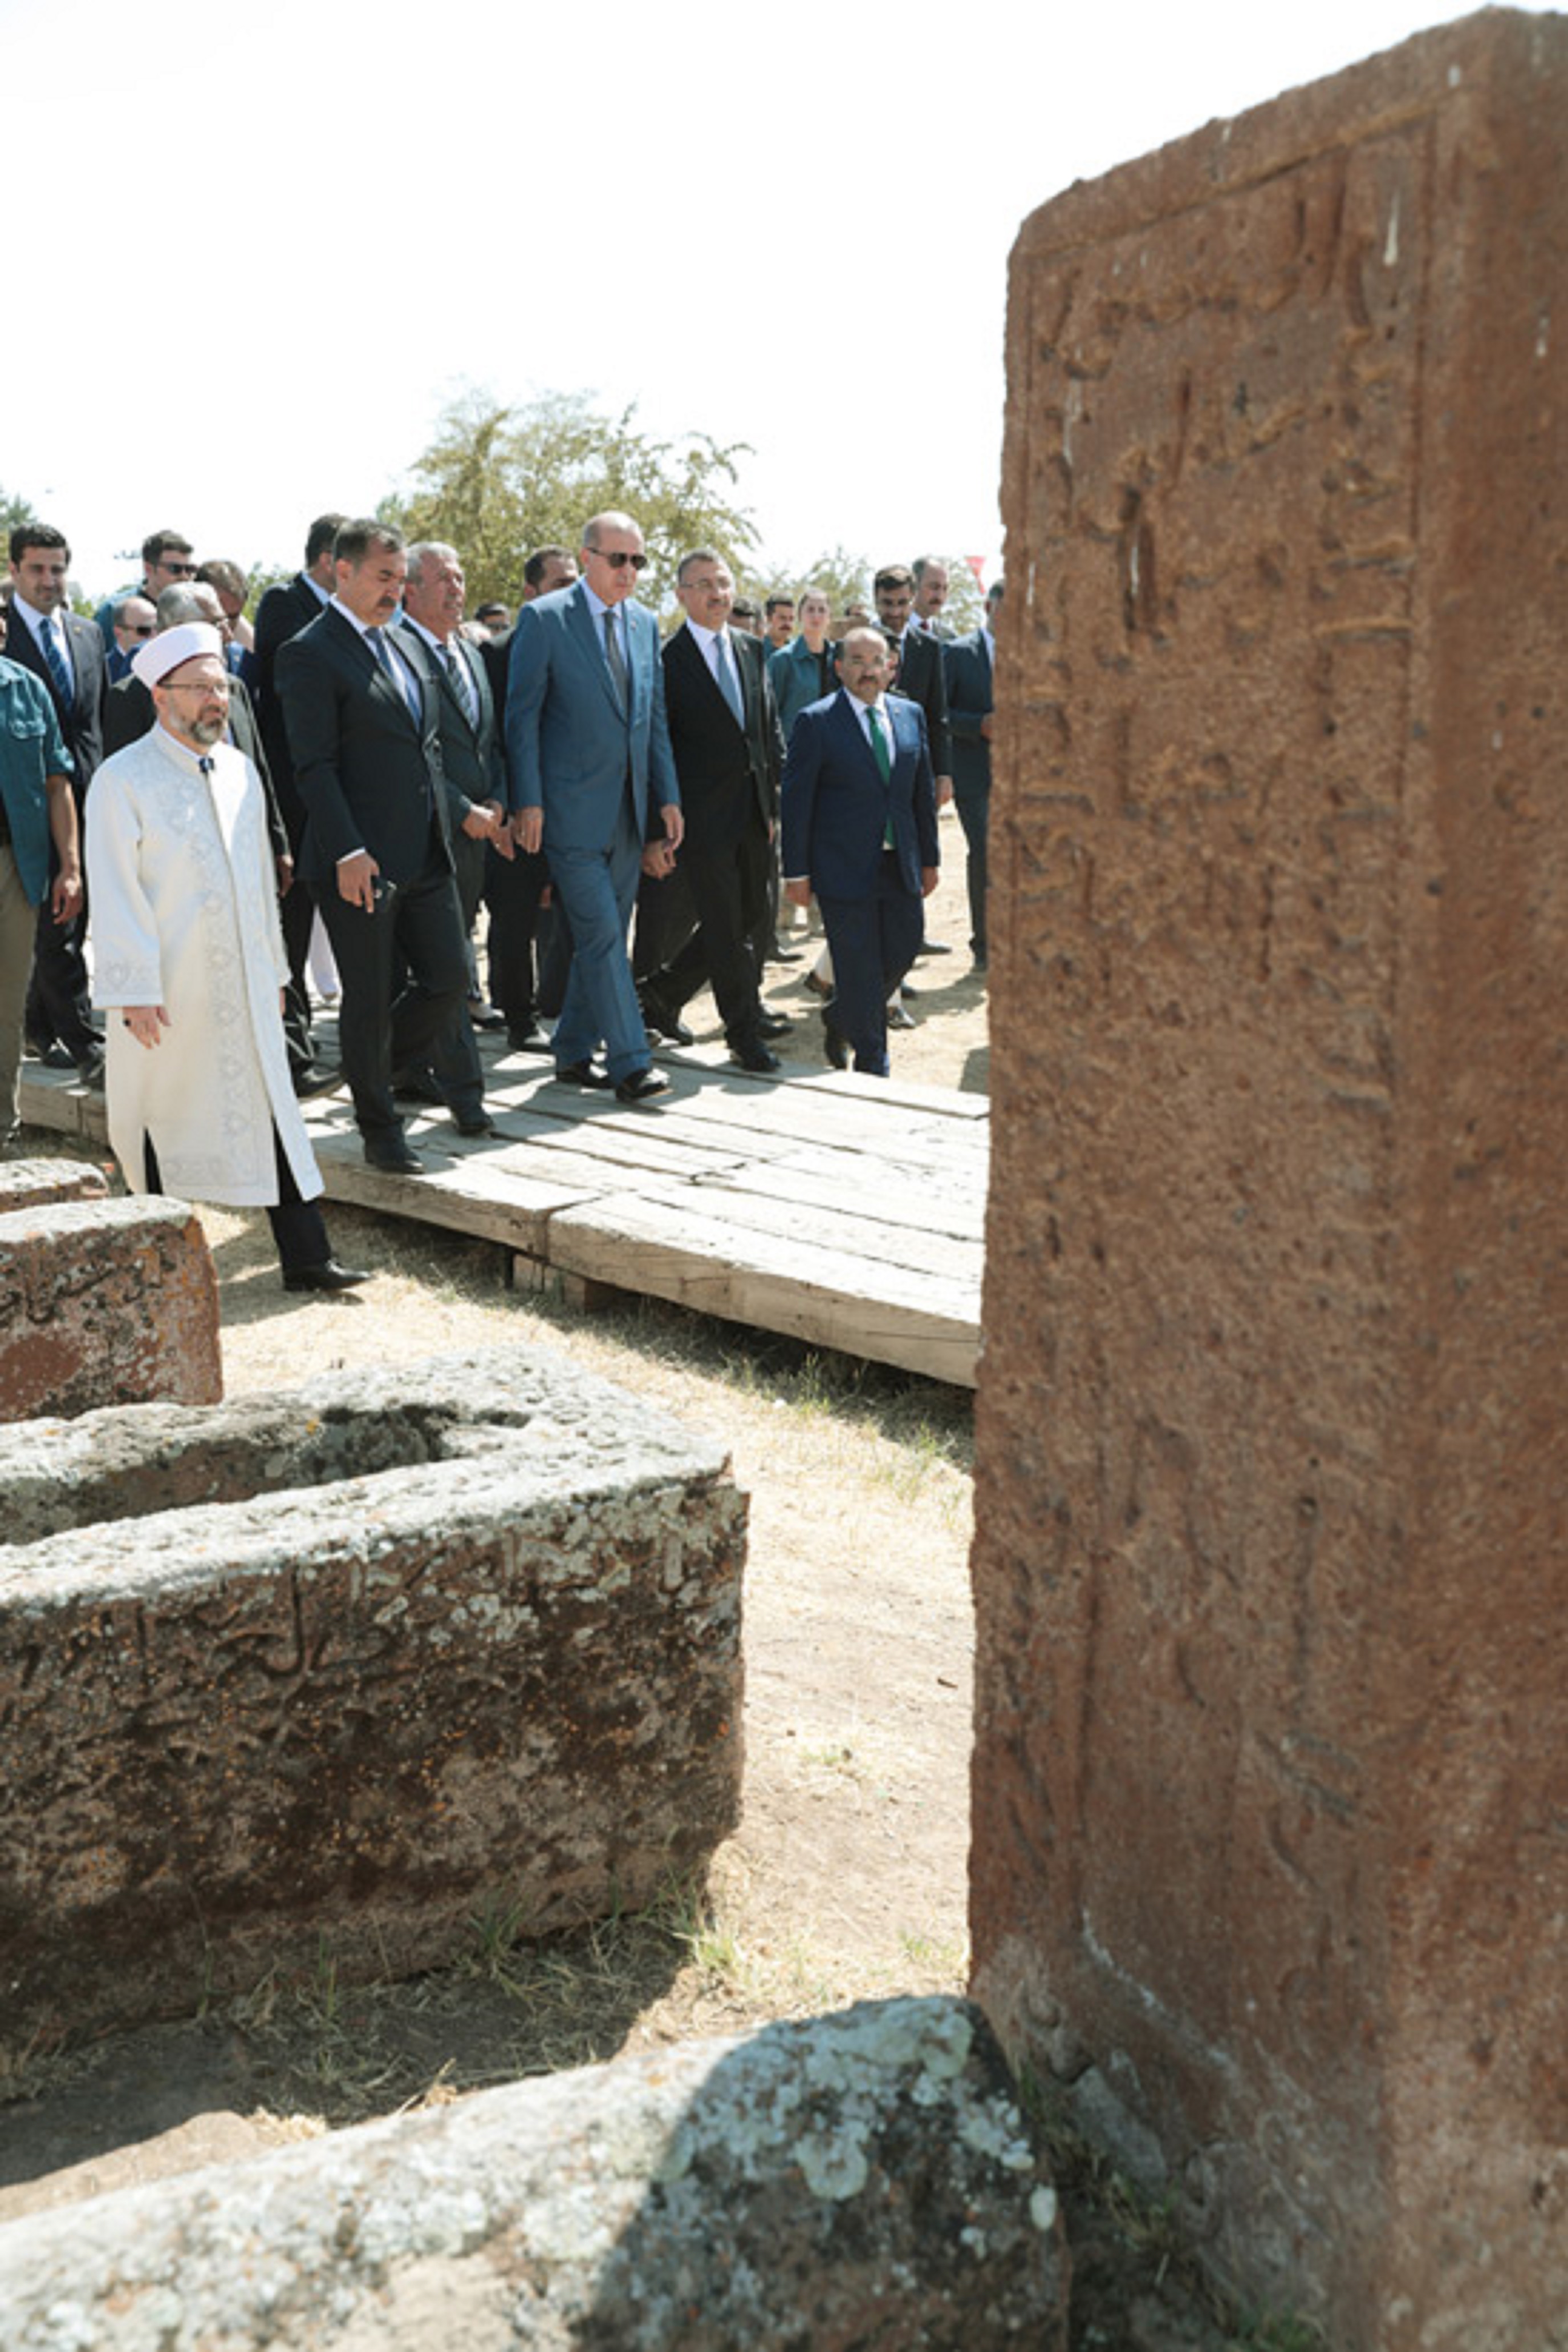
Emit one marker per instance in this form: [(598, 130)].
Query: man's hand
[(674, 823), (285, 874), (65, 899), (944, 790), (144, 1021), (528, 829), (657, 859), (798, 892), (483, 819), (985, 726), (356, 880), (929, 875)]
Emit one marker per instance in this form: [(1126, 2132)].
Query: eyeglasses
[(141, 629), (180, 571), (618, 559)]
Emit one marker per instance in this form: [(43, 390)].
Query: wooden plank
[(879, 1194), (908, 1093), (810, 1223), (925, 1323), (496, 1202)]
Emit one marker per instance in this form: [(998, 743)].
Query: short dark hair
[(355, 539), (487, 612), (780, 596), (219, 573), (159, 543), (36, 534), (322, 535), (540, 561), (995, 594), (743, 609), (893, 575), (696, 555)]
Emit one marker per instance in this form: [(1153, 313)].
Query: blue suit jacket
[(569, 747), (836, 809)]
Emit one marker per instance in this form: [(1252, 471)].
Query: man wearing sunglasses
[(592, 782)]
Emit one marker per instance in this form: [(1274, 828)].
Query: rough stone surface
[(32, 1184), (1271, 1788), (860, 2180), (104, 1302), (351, 1672)]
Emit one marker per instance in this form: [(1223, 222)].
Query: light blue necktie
[(728, 684)]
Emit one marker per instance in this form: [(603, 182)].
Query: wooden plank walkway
[(845, 1211)]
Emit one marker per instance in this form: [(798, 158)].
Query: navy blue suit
[(600, 773), (837, 816)]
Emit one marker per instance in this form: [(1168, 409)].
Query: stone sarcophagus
[(345, 1672)]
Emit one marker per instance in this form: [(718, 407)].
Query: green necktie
[(884, 765)]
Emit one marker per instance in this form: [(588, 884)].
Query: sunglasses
[(618, 559)]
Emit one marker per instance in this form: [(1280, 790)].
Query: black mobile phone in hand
[(381, 891)]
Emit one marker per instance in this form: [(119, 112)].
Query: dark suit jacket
[(921, 677), (81, 720), (129, 714), (836, 809), (471, 756), (366, 772), (728, 775), (285, 609), (970, 698)]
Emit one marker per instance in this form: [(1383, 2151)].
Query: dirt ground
[(847, 1878)]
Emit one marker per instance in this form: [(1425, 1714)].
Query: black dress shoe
[(527, 1036), (660, 1022), (53, 1057), (417, 1085), (89, 1070), (779, 953), (473, 1122), (328, 1276), (837, 1048), (775, 1025), (314, 1080), (754, 1056), (934, 947), (640, 1085), (485, 1016), (583, 1073), (394, 1157), (818, 987), (898, 1019)]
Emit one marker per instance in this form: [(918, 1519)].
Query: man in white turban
[(188, 963)]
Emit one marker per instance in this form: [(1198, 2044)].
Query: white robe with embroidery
[(184, 913)]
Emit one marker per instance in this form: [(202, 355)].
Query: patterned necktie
[(728, 684), (616, 660), (57, 661), (462, 684)]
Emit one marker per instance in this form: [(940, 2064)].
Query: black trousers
[(728, 894), (299, 1228), (386, 1025)]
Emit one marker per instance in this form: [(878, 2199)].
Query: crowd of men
[(641, 818)]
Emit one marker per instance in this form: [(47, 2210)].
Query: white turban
[(159, 655)]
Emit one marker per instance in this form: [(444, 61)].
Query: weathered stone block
[(1271, 1789), (105, 1302), (347, 1669), (860, 2180), (33, 1184)]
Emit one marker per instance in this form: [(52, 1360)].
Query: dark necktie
[(616, 660), (55, 660), (394, 671)]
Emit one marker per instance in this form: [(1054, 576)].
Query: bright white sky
[(782, 225)]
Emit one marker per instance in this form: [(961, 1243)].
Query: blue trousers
[(597, 890), (873, 943)]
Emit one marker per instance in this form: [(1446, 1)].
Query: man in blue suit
[(860, 830), (591, 767)]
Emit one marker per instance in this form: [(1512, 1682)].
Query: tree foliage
[(498, 481), (12, 510)]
